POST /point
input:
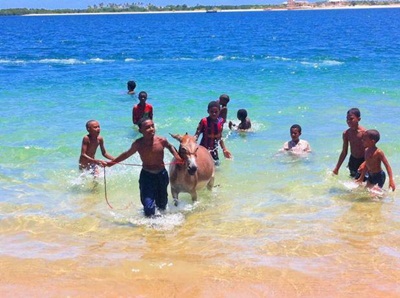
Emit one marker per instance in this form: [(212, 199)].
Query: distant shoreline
[(333, 7)]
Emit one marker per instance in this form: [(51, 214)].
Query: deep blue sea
[(276, 225)]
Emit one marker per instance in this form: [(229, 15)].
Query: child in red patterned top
[(211, 128), (142, 109)]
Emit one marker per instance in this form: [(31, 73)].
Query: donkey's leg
[(210, 183), (194, 195), (175, 195)]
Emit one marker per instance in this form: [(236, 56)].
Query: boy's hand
[(109, 163), (358, 181), (102, 163), (392, 185), (227, 154)]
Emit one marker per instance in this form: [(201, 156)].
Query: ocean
[(275, 225)]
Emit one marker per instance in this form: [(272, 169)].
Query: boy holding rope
[(90, 143), (154, 179)]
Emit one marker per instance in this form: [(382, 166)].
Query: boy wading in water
[(245, 122), (142, 109), (211, 128), (295, 145), (154, 177), (90, 143), (374, 157), (353, 137)]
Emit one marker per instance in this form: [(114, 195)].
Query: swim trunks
[(354, 164), (153, 191), (92, 168), (377, 178)]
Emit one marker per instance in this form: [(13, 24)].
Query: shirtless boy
[(223, 102), (90, 143), (245, 122), (353, 136), (131, 87), (154, 177), (374, 157)]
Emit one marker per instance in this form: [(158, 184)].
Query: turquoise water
[(269, 211)]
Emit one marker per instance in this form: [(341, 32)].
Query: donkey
[(196, 172)]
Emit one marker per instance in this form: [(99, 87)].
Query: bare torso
[(373, 160), (354, 137), (89, 145), (152, 153)]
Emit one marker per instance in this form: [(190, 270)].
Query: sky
[(82, 4)]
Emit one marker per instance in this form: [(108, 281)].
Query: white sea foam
[(219, 58), (99, 60), (61, 61), (132, 60), (162, 222), (321, 63), (6, 61)]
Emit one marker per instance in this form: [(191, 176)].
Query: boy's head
[(224, 99), (93, 126), (354, 111), (213, 110), (295, 132), (146, 126), (131, 86), (353, 117), (142, 96), (242, 114), (373, 135)]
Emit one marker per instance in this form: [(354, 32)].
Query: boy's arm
[(151, 113), (124, 155), (227, 154), (343, 154), (173, 151), (104, 151), (389, 170), (133, 115), (198, 131), (363, 170), (308, 148), (285, 146)]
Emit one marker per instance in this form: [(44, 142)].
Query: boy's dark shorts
[(354, 164), (153, 191), (377, 178)]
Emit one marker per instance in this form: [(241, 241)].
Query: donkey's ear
[(176, 137)]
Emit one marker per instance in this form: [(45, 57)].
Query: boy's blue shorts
[(153, 191)]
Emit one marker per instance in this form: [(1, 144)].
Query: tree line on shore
[(141, 7)]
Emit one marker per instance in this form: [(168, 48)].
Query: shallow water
[(275, 225)]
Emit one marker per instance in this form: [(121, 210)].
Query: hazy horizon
[(83, 4)]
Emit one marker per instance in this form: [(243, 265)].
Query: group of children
[(364, 163)]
